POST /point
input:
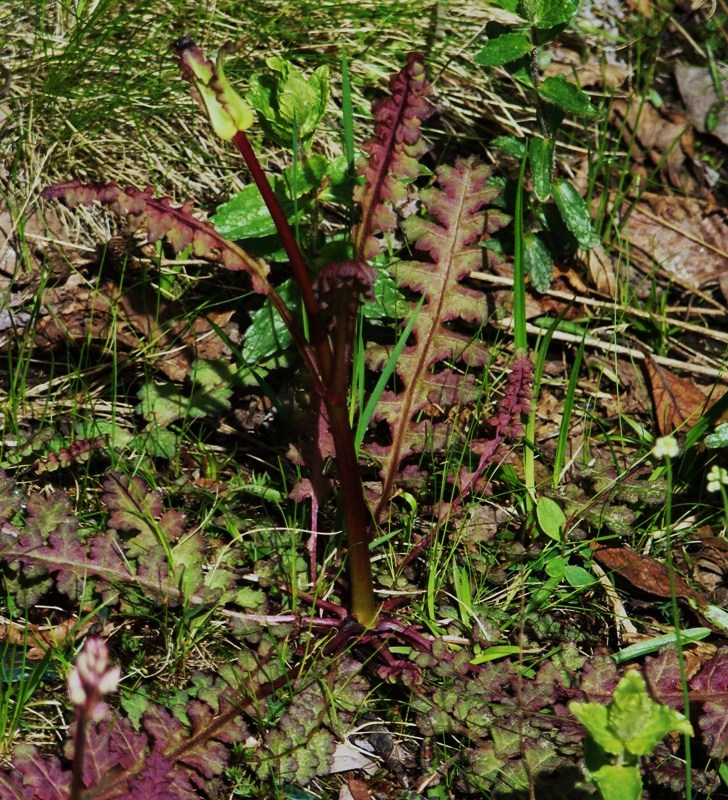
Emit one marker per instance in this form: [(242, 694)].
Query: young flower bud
[(92, 678), (227, 111)]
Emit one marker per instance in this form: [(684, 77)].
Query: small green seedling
[(631, 726), (289, 104)]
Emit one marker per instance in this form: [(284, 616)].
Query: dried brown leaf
[(685, 237), (134, 319), (696, 88), (657, 138), (643, 572), (678, 401)]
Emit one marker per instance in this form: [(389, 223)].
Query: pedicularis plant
[(449, 238)]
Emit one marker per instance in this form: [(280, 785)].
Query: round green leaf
[(551, 13), (578, 577), (555, 567), (509, 144), (618, 782), (719, 437)]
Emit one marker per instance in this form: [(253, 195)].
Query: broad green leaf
[(212, 382), (595, 718), (555, 567), (575, 213), (212, 375), (541, 157), (161, 403), (551, 518), (618, 782), (640, 722), (567, 96), (246, 216), (551, 13), (156, 441), (247, 597), (134, 702), (538, 262), (578, 576), (719, 437), (503, 49), (509, 144), (268, 335)]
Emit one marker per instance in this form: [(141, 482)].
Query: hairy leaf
[(153, 782), (110, 744), (301, 749)]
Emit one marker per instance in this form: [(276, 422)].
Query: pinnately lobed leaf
[(163, 220), (450, 237), (393, 155)]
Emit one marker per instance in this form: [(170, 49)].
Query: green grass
[(96, 96)]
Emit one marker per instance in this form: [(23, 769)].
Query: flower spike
[(227, 111)]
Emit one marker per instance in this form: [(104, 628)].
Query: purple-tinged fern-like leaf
[(153, 782), (68, 559), (505, 423), (135, 507), (203, 748), (48, 513), (394, 155), (163, 220), (662, 674), (34, 777), (711, 686), (516, 400), (110, 744), (458, 206)]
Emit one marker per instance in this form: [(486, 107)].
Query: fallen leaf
[(348, 758), (600, 267), (678, 401), (708, 562), (38, 639), (134, 319), (643, 572), (354, 790), (20, 261), (593, 72), (684, 237), (698, 94), (658, 138)]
